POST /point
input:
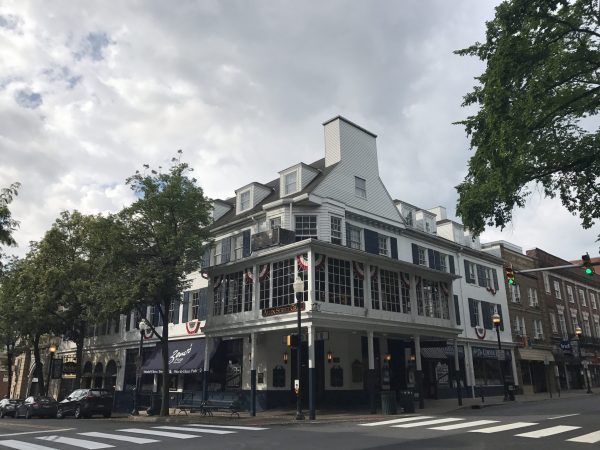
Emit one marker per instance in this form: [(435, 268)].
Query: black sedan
[(37, 406), (85, 403), (8, 407)]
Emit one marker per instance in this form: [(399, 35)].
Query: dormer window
[(290, 182), (360, 187), (244, 200)]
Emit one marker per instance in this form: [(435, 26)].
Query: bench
[(188, 407), (230, 406)]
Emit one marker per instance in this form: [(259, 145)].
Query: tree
[(162, 238), (7, 223), (537, 120)]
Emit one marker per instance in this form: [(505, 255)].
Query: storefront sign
[(489, 353), (293, 307), (565, 345), (441, 373)]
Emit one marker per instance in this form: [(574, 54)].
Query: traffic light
[(587, 264), (510, 274)]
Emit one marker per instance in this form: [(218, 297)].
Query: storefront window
[(265, 286), (374, 289), (320, 278), (358, 281), (248, 289), (283, 279), (390, 291), (339, 281), (233, 299)]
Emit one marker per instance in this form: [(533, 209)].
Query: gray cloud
[(93, 46), (28, 99), (10, 22)]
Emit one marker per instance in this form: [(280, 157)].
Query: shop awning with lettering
[(186, 356), (530, 354)]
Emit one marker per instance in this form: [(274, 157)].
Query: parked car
[(37, 406), (8, 406), (85, 403)]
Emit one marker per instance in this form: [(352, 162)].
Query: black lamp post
[(52, 350), (587, 380), (496, 320), (138, 372), (298, 290)]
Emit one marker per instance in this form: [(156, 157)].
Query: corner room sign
[(285, 309)]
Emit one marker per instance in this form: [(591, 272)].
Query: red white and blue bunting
[(359, 270), (405, 278), (480, 332), (248, 276), (264, 272), (444, 287), (218, 282), (492, 290), (319, 261), (302, 262), (192, 326)]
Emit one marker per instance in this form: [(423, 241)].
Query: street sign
[(565, 345)]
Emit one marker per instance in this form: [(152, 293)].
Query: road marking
[(120, 437), (388, 422), (37, 432), (232, 427), (427, 422), (158, 433), (20, 445), (560, 417), (198, 430), (456, 426), (509, 426), (548, 431), (82, 443), (590, 438)]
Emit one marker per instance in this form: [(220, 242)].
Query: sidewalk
[(275, 417)]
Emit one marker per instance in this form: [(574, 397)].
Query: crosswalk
[(530, 430), (96, 440)]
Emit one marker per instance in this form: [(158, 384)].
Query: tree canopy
[(7, 223), (536, 122)]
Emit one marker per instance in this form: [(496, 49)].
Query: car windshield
[(14, 402)]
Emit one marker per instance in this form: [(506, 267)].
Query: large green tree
[(7, 223), (160, 239), (536, 121)]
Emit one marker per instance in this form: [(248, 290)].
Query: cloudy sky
[(90, 91)]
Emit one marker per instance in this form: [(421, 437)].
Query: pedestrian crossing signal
[(291, 340), (587, 264), (510, 275)]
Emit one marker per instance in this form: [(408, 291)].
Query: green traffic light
[(511, 281), (588, 270)]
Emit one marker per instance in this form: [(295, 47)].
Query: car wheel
[(78, 413), (28, 414), (59, 414)]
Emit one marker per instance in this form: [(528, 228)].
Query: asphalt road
[(566, 424)]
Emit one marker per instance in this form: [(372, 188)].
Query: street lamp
[(497, 320), (298, 290), (578, 332), (143, 326), (52, 350)]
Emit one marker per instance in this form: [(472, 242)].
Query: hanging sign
[(285, 309)]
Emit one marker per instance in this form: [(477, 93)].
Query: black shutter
[(451, 263), (437, 260), (415, 252), (456, 310), (156, 316), (202, 303), (371, 242), (499, 309), (348, 226), (431, 257), (205, 262), (185, 305), (246, 244), (394, 247), (487, 310), (468, 273), (495, 277), (176, 311), (127, 322), (473, 312), (481, 275), (226, 250)]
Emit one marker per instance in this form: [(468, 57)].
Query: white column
[(256, 291), (207, 354), (418, 352), (413, 297), (252, 351), (469, 370), (514, 366), (311, 279), (367, 292), (370, 350)]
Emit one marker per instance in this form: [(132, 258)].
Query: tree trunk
[(39, 369), (79, 339), (9, 355), (164, 409)]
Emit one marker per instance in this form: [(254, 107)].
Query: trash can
[(511, 391), (406, 400), (388, 402)]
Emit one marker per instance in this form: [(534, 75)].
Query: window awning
[(186, 356), (530, 354)]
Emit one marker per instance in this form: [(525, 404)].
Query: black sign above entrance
[(285, 309)]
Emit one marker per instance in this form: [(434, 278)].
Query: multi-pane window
[(383, 245), (390, 291), (275, 222), (360, 187), (248, 289), (546, 282), (515, 293), (473, 311), (597, 326), (562, 323), (582, 298), (283, 279), (336, 230), (374, 289), (217, 253), (320, 276), (574, 320), (219, 294), (195, 305), (586, 327), (532, 296), (443, 263), (306, 227), (471, 271), (431, 302), (553, 323), (233, 299), (593, 300), (172, 312), (405, 292), (264, 286), (238, 247), (422, 253), (354, 237), (358, 287), (570, 296), (557, 290), (338, 272), (244, 200), (538, 329), (290, 182)]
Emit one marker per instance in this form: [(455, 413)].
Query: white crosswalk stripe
[(158, 433), (427, 422), (548, 431), (508, 426), (457, 426), (196, 430), (81, 443), (120, 437), (20, 445), (389, 422), (230, 427), (590, 438)]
